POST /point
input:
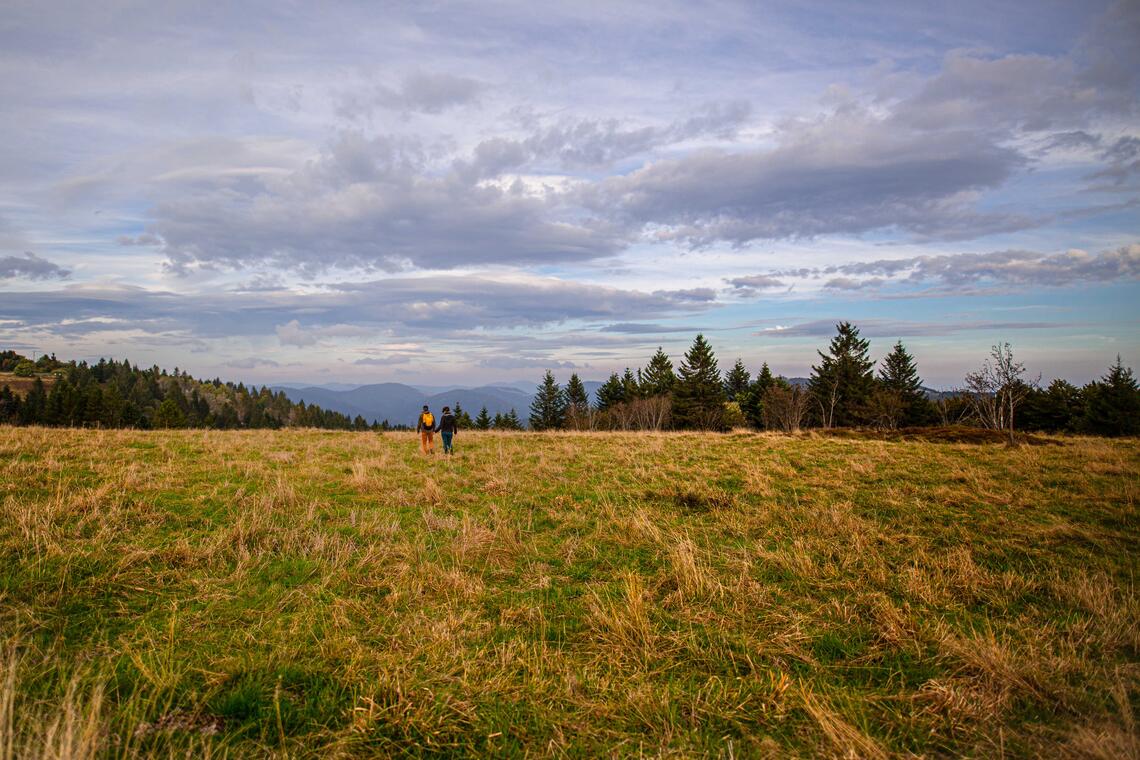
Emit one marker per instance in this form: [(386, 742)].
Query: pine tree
[(698, 396), (576, 397), (462, 418), (548, 410), (577, 404), (483, 420), (1057, 409), (841, 385), (752, 399), (630, 388), (1112, 405), (658, 378), (736, 381), (9, 405), (899, 375), (611, 393), (34, 404), (511, 421), (169, 415)]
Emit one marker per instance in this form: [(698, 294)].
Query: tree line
[(845, 390), (115, 394)]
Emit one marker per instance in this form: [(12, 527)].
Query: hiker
[(447, 429), (426, 428)]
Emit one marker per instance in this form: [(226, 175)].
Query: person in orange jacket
[(426, 428)]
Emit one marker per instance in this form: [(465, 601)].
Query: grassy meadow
[(324, 594)]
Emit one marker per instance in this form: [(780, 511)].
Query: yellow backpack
[(427, 419)]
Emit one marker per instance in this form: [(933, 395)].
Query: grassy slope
[(334, 593), (21, 385)]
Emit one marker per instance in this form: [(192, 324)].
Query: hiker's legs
[(446, 442), (426, 445)]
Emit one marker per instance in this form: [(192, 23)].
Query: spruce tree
[(497, 423), (658, 378), (1063, 406), (611, 393), (548, 410), (578, 401), (483, 420), (169, 415), (752, 399), (736, 381), (842, 383), (630, 388), (9, 405), (34, 404), (899, 375), (511, 421), (698, 396), (1055, 409), (462, 418), (1112, 405)]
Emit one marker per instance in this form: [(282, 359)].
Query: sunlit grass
[(325, 594)]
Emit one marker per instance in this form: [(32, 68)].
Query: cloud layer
[(963, 272), (291, 189)]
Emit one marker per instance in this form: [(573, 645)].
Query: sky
[(467, 193)]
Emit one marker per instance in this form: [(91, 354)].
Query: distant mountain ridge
[(400, 404)]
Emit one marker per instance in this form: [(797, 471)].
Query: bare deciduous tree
[(954, 408), (885, 409), (784, 407), (996, 390), (653, 413)]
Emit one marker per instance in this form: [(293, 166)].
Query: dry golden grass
[(320, 594)]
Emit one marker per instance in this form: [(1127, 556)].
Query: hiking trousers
[(427, 445), (446, 441)]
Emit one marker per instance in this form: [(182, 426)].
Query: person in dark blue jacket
[(447, 429)]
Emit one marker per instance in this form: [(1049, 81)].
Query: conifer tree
[(1112, 405), (169, 415), (511, 421), (34, 404), (9, 405), (630, 388), (1057, 409), (752, 400), (736, 381), (483, 420), (548, 410), (611, 393), (899, 375), (658, 378), (462, 418), (577, 399), (698, 396), (842, 383), (577, 404)]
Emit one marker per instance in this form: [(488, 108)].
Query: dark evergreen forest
[(116, 394)]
